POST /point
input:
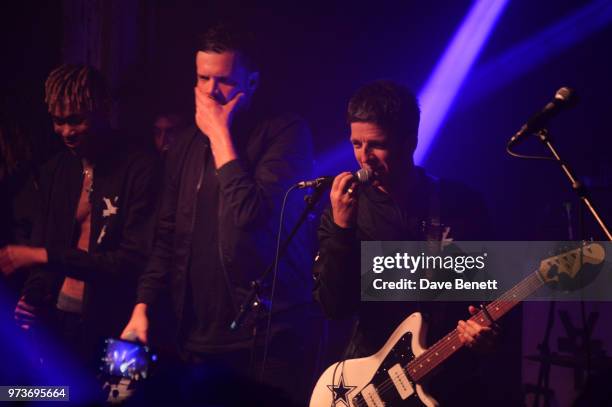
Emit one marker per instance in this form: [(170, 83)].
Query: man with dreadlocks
[(90, 242)]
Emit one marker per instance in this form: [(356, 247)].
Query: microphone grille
[(565, 95), (364, 176)]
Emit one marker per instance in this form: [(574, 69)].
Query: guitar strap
[(432, 231), (432, 226)]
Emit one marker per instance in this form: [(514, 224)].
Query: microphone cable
[(527, 157), (274, 276)]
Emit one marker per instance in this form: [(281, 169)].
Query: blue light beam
[(537, 50), (440, 90), (442, 86)]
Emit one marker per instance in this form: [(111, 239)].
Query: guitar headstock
[(569, 263)]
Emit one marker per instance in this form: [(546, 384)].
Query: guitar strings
[(522, 290), (501, 306)]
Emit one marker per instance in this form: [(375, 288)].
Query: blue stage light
[(440, 89), (438, 94)]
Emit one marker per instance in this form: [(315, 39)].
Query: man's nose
[(212, 88), (164, 137), (369, 155), (66, 130)]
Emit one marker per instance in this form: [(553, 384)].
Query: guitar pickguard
[(385, 387)]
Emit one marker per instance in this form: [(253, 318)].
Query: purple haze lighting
[(338, 158), (537, 50), (442, 86)]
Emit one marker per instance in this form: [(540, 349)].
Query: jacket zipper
[(221, 257)]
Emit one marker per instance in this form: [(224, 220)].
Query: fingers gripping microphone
[(565, 97), (363, 176)]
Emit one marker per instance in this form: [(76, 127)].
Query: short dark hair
[(222, 37), (389, 105), (80, 87)]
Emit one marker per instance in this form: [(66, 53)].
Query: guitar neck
[(419, 367)]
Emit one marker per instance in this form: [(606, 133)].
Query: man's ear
[(253, 81)]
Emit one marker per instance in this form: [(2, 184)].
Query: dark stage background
[(317, 54)]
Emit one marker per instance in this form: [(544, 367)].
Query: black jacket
[(337, 268), (274, 154), (122, 206)]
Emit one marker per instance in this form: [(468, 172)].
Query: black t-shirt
[(209, 308)]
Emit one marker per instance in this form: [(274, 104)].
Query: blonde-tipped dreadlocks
[(78, 87)]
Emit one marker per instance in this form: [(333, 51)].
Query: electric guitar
[(393, 375)]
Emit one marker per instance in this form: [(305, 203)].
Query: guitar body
[(382, 379), (377, 380)]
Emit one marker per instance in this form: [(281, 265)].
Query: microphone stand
[(545, 362), (544, 348), (253, 300), (577, 186)]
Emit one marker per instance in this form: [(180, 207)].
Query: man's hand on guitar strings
[(475, 336)]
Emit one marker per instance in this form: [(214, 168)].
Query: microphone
[(363, 176), (565, 97)]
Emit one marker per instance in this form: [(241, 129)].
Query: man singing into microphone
[(402, 203)]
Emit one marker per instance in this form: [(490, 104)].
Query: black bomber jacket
[(274, 154)]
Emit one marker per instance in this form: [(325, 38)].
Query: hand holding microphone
[(343, 196), (343, 193)]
